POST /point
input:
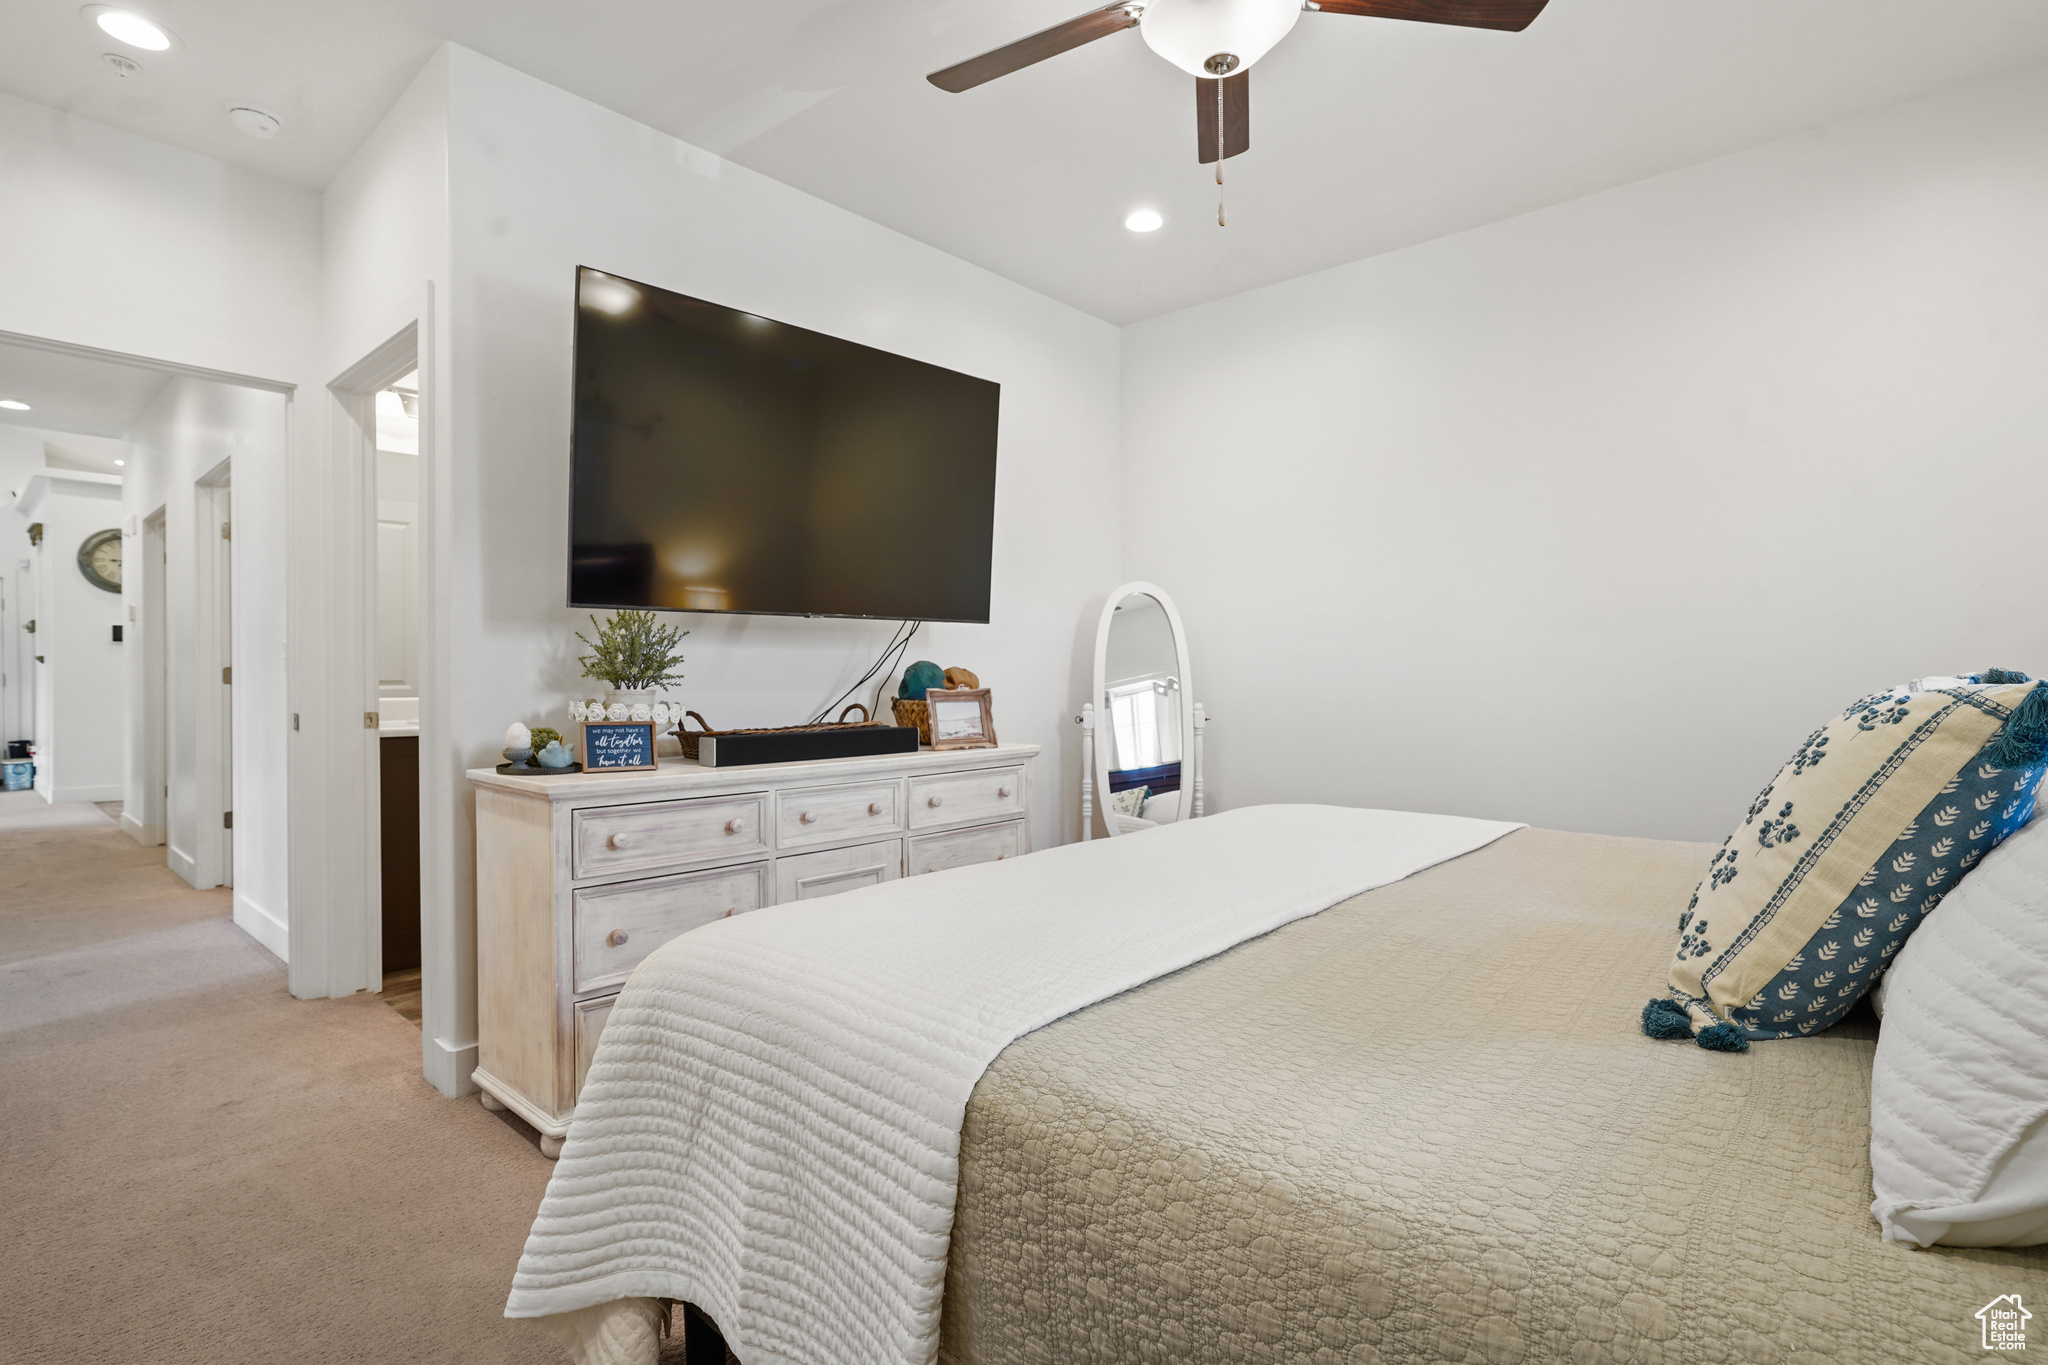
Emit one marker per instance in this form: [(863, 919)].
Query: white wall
[(177, 451), (24, 451), (1585, 518), (540, 182), (119, 243), (80, 673)]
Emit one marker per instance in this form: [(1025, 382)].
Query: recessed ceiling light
[(13, 405), (255, 122), (120, 462), (132, 29), (1144, 220), (123, 67)]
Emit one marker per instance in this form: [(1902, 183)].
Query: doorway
[(395, 605), (376, 902)]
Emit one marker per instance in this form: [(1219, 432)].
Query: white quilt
[(771, 1127)]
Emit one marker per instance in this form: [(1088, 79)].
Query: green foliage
[(542, 735), (632, 650)]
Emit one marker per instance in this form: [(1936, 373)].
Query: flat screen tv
[(724, 462)]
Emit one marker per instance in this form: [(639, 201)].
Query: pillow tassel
[(1666, 1019), (2024, 741), (1723, 1038)]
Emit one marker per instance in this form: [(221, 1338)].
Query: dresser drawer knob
[(619, 841), (809, 817), (874, 808), (617, 938), (734, 826), (935, 802), (1002, 791)]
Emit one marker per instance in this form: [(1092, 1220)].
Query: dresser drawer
[(807, 876), (590, 1017), (615, 926), (826, 815), (960, 847), (963, 798), (607, 840)]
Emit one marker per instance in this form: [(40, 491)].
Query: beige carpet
[(199, 1168)]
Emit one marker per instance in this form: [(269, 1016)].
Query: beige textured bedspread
[(1424, 1126)]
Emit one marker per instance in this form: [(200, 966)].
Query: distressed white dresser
[(581, 876)]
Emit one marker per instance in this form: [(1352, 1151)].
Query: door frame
[(344, 937), (356, 912), (151, 825)]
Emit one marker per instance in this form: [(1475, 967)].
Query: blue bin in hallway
[(17, 775)]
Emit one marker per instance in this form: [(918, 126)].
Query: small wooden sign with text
[(621, 746)]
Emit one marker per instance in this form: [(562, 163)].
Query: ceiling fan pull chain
[(1219, 153)]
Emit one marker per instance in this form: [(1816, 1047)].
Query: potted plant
[(635, 655)]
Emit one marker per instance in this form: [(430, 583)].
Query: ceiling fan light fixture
[(1215, 38), (1144, 220)]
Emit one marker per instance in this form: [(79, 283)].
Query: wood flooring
[(401, 991)]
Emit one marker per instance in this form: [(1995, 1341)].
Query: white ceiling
[(74, 393), (1367, 135)]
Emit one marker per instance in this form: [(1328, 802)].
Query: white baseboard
[(447, 1068), (266, 928), (149, 836), (182, 863), (112, 793)]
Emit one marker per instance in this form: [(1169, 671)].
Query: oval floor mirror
[(1141, 729)]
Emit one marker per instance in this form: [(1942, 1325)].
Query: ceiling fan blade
[(1511, 15), (1029, 51), (1233, 112)]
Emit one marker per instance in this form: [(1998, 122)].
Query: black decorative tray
[(535, 770)]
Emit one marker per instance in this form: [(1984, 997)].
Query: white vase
[(626, 703), (638, 701)]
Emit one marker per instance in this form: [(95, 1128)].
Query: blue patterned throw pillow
[(1876, 817)]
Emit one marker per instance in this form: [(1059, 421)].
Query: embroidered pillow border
[(1849, 811)]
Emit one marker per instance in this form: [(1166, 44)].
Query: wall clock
[(99, 559)]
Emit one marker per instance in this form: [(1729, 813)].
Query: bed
[(1423, 1125)]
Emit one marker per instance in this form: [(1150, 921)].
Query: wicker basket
[(690, 738), (913, 713)]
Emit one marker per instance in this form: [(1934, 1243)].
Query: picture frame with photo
[(961, 718)]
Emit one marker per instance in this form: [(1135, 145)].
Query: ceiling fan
[(1216, 41)]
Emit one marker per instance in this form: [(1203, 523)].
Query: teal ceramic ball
[(919, 676)]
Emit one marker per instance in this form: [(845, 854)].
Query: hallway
[(202, 1169)]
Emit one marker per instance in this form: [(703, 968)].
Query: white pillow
[(1162, 809), (1959, 1087)]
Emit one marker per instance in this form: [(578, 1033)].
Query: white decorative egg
[(517, 736), (617, 711)]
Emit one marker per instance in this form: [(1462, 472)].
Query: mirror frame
[(1188, 754)]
